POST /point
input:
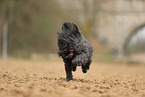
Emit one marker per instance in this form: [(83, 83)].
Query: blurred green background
[(113, 27), (32, 25)]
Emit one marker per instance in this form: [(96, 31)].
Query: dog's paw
[(69, 79), (74, 68), (84, 70)]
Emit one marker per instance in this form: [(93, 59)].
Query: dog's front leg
[(68, 70)]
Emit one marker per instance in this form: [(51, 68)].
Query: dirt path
[(19, 78)]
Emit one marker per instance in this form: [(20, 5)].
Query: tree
[(32, 25)]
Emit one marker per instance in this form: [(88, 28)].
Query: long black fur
[(74, 49)]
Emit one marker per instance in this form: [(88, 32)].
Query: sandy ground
[(19, 78)]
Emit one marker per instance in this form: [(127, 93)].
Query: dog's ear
[(75, 27)]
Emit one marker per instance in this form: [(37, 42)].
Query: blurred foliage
[(103, 57), (32, 25), (89, 13)]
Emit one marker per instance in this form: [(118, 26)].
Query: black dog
[(74, 49)]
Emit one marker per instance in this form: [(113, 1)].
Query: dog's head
[(71, 28)]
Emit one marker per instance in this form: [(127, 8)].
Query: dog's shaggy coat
[(74, 49)]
